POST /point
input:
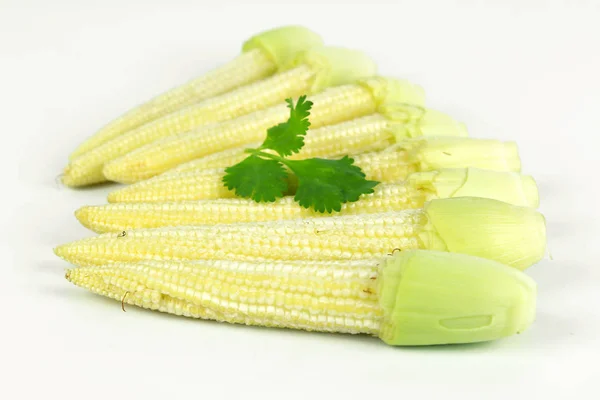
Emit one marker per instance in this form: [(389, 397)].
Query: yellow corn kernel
[(261, 56), (393, 164), (318, 69), (482, 227), (320, 296), (409, 298), (131, 292), (390, 125), (222, 159), (201, 185), (413, 193), (331, 106), (124, 216)]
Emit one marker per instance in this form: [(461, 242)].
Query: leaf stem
[(258, 152)]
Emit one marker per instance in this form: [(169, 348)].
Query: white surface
[(521, 70)]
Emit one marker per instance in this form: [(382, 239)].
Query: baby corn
[(315, 70), (393, 164), (413, 193), (375, 132), (331, 106), (483, 227), (262, 55), (410, 298)]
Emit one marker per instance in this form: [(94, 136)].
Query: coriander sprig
[(323, 184)]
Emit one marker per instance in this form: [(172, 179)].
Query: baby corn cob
[(488, 228), (409, 298), (262, 55), (313, 71), (375, 132), (419, 188), (192, 182), (329, 107), (260, 280)]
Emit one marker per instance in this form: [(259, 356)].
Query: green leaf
[(325, 185), (262, 180), (287, 138)]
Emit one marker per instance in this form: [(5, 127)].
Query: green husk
[(431, 297), (492, 229), (283, 43), (334, 66), (386, 91), (410, 121), (509, 187), (432, 153)]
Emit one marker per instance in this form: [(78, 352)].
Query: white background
[(514, 70)]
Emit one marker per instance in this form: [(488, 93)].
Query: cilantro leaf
[(262, 180), (321, 184), (325, 185), (287, 138)]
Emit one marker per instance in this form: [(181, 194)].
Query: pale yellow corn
[(207, 184), (87, 168), (321, 296), (331, 106), (218, 161), (386, 166), (247, 67), (390, 125), (366, 133), (325, 238), (124, 216), (221, 159), (395, 163), (414, 297), (413, 193), (477, 226), (262, 55), (360, 135), (201, 185), (132, 293), (312, 71)]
